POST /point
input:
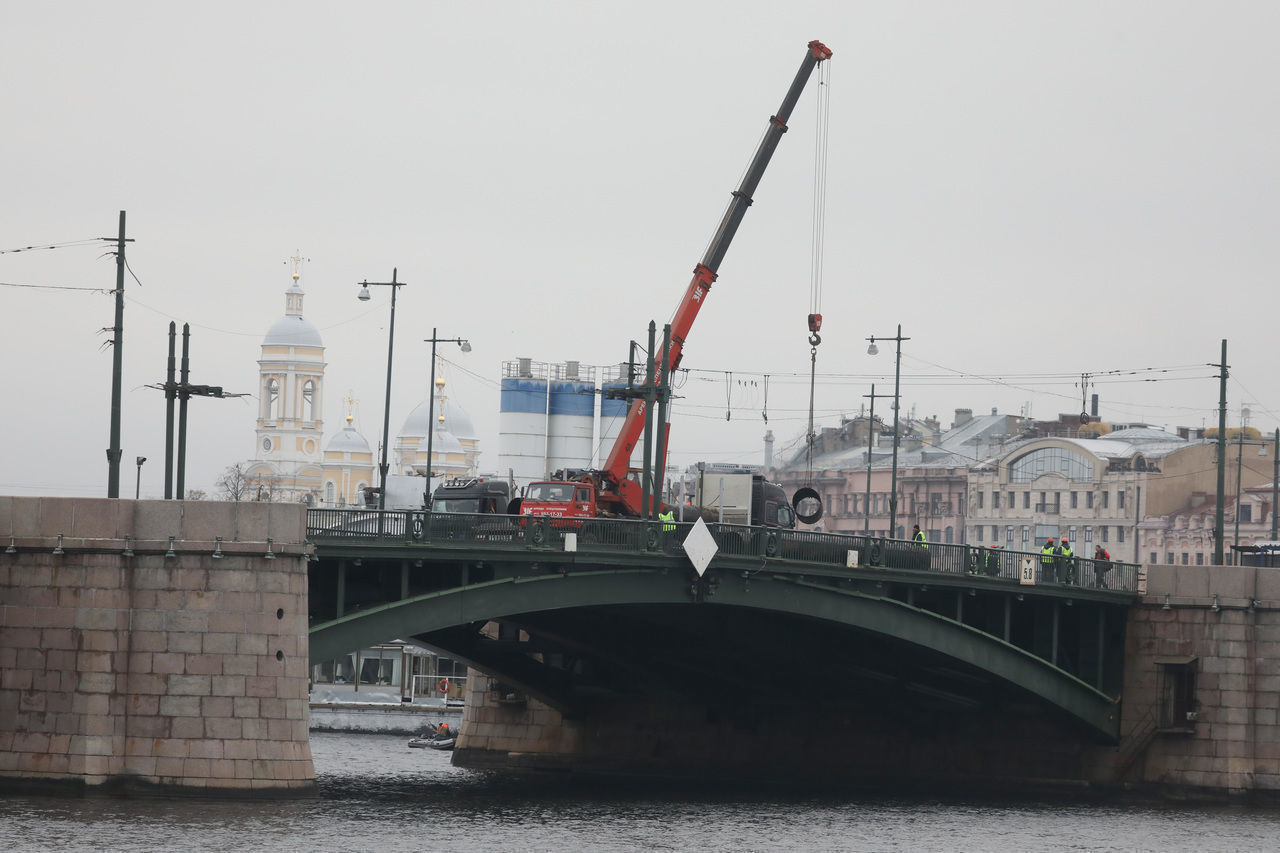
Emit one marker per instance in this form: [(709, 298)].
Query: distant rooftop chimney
[(963, 416)]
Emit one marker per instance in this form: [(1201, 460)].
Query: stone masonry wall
[(153, 671), (1233, 743)]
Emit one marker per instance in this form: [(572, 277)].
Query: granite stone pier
[(153, 645)]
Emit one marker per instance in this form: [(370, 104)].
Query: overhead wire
[(68, 244), (56, 287)]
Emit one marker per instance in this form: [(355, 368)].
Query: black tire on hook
[(805, 493)]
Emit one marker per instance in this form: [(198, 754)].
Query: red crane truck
[(609, 491)]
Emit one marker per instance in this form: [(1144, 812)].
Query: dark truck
[(474, 495)]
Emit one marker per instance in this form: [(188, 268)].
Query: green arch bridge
[(607, 608)]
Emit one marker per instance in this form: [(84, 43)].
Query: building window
[(979, 531), (950, 534), (1106, 500), (309, 401), (1177, 685), (329, 493), (270, 395), (1026, 500), (1075, 500), (1074, 465), (1120, 498), (1199, 558), (980, 494), (1008, 534), (995, 500), (1011, 504), (1088, 533), (1153, 558), (995, 533), (1168, 558), (1246, 513), (1088, 500), (1119, 534), (1184, 558), (1026, 535)]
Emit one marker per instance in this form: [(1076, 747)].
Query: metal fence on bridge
[(825, 549)]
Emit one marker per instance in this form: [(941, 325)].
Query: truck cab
[(475, 495), (559, 499)]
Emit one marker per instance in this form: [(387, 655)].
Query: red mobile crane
[(609, 491)]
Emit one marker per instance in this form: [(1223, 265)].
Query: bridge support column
[(153, 645)]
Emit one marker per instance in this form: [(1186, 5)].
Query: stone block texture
[(1230, 744), (132, 669)]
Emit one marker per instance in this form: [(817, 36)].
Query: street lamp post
[(897, 375), (431, 401), (391, 339), (137, 489)]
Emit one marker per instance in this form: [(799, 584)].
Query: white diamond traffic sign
[(700, 545)]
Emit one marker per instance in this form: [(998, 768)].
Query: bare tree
[(234, 483), (197, 494)]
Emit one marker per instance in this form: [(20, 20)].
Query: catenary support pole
[(1218, 526), (180, 491), (170, 394), (117, 368), (1275, 482)]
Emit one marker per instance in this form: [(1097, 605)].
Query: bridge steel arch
[(448, 619)]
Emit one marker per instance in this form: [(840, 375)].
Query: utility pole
[(871, 445), (182, 391), (117, 365), (1218, 526), (1275, 482)]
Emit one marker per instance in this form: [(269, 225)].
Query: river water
[(375, 794)]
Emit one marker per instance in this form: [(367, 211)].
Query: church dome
[(415, 426), (347, 441), (293, 330), (444, 442), (456, 421)]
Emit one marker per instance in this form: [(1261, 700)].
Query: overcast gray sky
[(1033, 190)]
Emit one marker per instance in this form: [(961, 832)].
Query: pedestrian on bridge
[(1066, 561), (917, 536), (668, 520), (1048, 556), (1101, 565), (992, 560)]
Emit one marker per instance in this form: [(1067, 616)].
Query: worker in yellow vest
[(1066, 561), (668, 520), (1047, 556)]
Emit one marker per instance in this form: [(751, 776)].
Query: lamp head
[(141, 459), (364, 293), (873, 349), (466, 346)]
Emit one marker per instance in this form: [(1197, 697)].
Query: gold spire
[(297, 260)]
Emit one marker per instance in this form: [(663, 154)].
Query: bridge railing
[(829, 549)]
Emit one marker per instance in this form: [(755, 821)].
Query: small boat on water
[(434, 738)]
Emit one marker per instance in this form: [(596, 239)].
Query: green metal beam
[(506, 597)]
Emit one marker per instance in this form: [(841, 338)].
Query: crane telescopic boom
[(623, 496)]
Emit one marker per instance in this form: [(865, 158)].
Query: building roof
[(293, 330), (443, 442), (456, 421), (347, 441)]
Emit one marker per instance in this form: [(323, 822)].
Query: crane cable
[(808, 496)]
